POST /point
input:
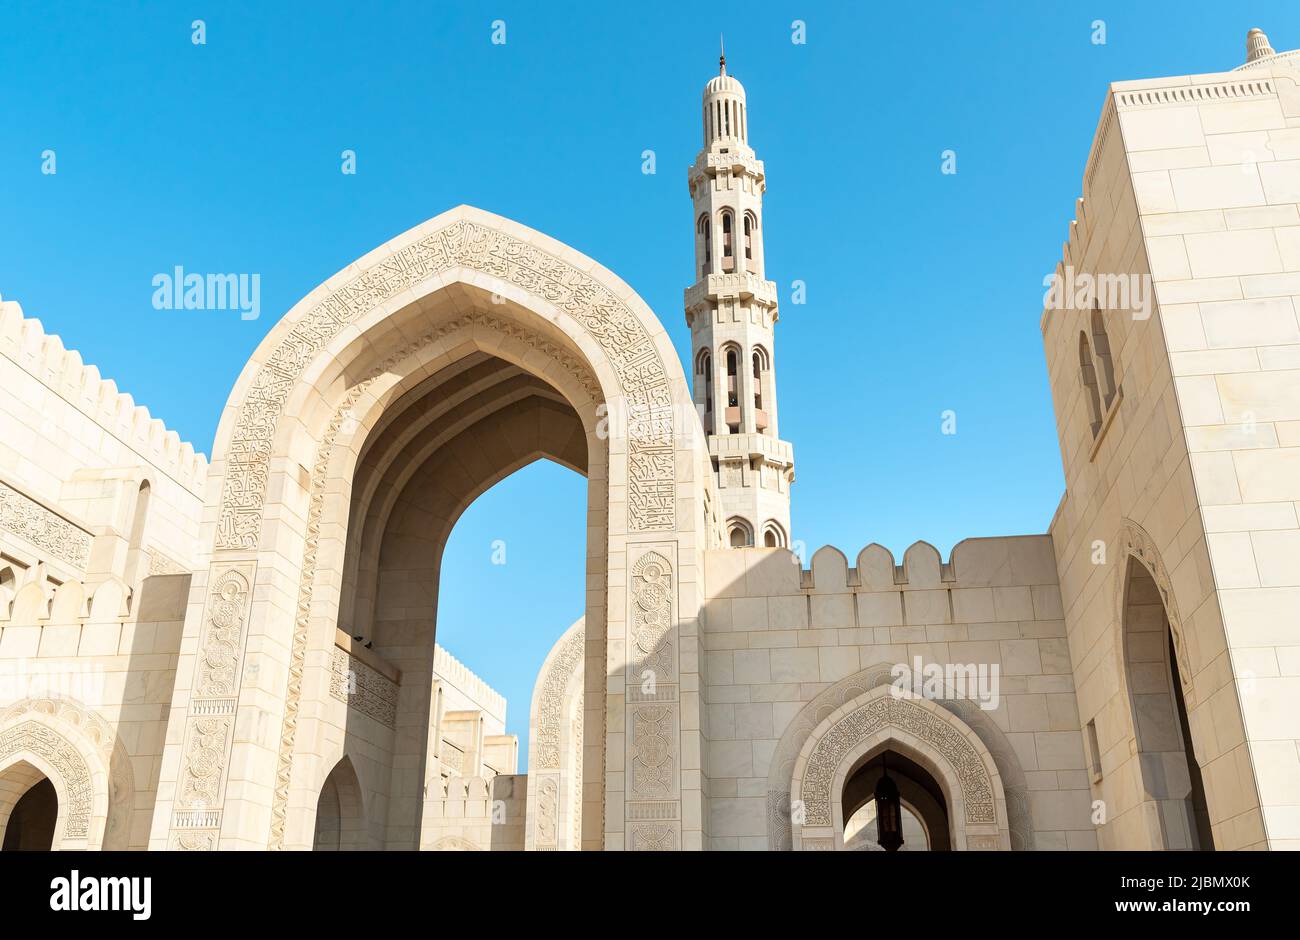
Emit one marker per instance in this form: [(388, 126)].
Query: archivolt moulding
[(79, 753), (927, 733)]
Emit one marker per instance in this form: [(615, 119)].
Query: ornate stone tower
[(731, 310)]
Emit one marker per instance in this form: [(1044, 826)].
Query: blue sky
[(923, 290)]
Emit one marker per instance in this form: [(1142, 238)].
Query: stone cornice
[(739, 286)]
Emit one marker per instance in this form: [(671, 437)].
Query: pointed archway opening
[(340, 812), (517, 347), (477, 423), (33, 809), (925, 810), (1173, 790), (512, 578)]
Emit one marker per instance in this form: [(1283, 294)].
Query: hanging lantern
[(889, 812)]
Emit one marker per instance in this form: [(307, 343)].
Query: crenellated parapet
[(43, 355), (977, 562), (451, 670)]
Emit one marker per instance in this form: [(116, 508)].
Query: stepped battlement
[(23, 340)]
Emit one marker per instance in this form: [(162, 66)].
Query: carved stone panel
[(213, 702), (363, 688), (46, 530)]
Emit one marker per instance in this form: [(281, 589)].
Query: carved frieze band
[(1195, 94), (359, 686), (621, 335), (46, 743), (886, 712), (213, 701), (43, 528), (550, 711)]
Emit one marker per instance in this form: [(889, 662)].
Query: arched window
[(773, 535), (749, 237), (726, 240), (733, 398), (705, 228), (704, 369), (1105, 365), (739, 533), (1089, 377), (758, 381), (141, 516), (8, 586)]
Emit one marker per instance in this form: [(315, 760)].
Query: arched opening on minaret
[(704, 380), (739, 533), (705, 230), (728, 254)]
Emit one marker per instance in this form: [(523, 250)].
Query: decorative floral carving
[(653, 751), (45, 529), (653, 839), (222, 643), (548, 804), (202, 777), (652, 607)]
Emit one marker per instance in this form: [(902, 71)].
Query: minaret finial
[(722, 59), (1257, 45)]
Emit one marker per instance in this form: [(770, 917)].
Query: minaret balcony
[(752, 447), (740, 285), (736, 161)]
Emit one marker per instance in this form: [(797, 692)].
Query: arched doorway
[(29, 800), (952, 780), (1174, 803), (924, 810), (340, 812), (367, 420)]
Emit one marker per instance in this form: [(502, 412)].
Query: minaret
[(731, 310)]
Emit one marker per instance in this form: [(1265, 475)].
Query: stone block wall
[(776, 637)]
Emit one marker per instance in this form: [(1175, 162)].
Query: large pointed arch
[(931, 736), (312, 398)]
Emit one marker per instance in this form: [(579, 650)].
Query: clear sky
[(924, 290)]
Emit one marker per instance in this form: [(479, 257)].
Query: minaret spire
[(732, 312)]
